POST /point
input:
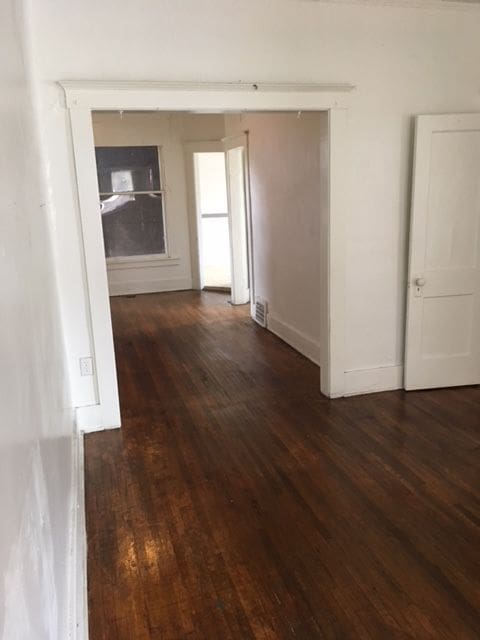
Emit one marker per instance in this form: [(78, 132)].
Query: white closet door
[(443, 317)]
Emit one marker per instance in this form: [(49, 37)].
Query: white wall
[(36, 432), (403, 61), (169, 131), (284, 155)]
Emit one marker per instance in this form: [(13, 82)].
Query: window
[(131, 201)]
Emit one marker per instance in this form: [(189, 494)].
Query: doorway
[(212, 221), (221, 218), (81, 100)]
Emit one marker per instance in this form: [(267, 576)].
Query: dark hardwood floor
[(236, 502)]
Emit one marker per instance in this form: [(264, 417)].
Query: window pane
[(132, 224), (127, 169)]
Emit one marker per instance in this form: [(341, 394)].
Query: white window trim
[(141, 262), (83, 97)]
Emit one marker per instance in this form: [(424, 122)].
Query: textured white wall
[(403, 60), (36, 426)]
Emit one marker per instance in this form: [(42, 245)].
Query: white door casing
[(82, 97), (235, 165), (194, 222), (443, 301)]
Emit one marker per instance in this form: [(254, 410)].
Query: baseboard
[(362, 381), (78, 601), (88, 418), (129, 287), (296, 339)]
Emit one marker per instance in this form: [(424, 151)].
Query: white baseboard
[(78, 601), (361, 381), (128, 287), (89, 419), (296, 339)]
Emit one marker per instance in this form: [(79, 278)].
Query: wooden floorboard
[(236, 502)]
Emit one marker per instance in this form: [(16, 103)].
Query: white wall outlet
[(86, 366)]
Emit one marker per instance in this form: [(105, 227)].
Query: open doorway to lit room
[(288, 201), (212, 221), (181, 197), (221, 218)]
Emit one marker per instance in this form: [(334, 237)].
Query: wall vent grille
[(260, 312)]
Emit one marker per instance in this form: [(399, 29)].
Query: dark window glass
[(133, 224), (127, 169)]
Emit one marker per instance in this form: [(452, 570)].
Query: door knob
[(420, 282)]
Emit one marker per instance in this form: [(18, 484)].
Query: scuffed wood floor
[(238, 503)]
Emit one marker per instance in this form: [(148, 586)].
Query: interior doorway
[(144, 190), (212, 221), (222, 218), (83, 99)]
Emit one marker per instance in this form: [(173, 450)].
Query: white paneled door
[(443, 301), (235, 162)]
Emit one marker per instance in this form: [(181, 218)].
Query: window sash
[(131, 193), (161, 192)]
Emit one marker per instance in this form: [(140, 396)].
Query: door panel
[(443, 302), (237, 209)]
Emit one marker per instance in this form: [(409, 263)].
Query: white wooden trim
[(209, 97), (83, 97), (95, 267), (140, 262), (250, 237), (78, 616), (132, 193), (161, 85), (155, 285), (333, 248), (143, 95), (360, 381), (302, 343)]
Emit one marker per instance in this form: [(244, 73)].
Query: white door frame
[(230, 142), (209, 146), (83, 97)]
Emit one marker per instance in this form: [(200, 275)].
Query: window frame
[(143, 257)]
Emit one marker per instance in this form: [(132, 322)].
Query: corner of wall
[(78, 602), (362, 381), (299, 341)]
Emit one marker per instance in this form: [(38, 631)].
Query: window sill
[(141, 262)]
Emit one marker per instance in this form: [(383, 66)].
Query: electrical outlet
[(86, 366)]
